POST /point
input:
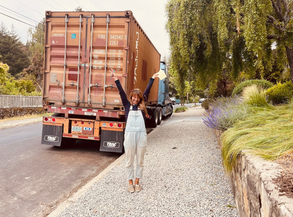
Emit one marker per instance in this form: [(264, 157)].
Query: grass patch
[(256, 97), (267, 133), (252, 125), (26, 117), (180, 109)]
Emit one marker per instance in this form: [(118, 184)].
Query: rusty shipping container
[(80, 48)]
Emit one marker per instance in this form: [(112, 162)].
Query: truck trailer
[(80, 48)]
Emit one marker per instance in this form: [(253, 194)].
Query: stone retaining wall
[(254, 190)]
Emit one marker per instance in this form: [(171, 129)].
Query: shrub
[(180, 109), (255, 97), (267, 133), (225, 112), (260, 83), (280, 93), (206, 104)]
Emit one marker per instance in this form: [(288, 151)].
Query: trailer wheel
[(160, 115), (152, 123), (66, 142)]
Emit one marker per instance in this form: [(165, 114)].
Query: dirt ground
[(285, 180)]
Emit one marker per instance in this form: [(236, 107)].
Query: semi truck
[(80, 48)]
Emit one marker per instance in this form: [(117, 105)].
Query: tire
[(66, 142), (160, 115), (152, 123)]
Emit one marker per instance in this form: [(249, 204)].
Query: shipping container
[(80, 48)]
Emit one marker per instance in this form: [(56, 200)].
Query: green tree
[(36, 43), (3, 73), (35, 70), (12, 51), (206, 36)]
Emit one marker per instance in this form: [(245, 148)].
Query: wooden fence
[(19, 101)]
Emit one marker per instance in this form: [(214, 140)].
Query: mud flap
[(112, 141), (52, 135)]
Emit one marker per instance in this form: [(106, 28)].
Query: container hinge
[(108, 18), (93, 18), (66, 18)]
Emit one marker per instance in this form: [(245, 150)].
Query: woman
[(135, 138)]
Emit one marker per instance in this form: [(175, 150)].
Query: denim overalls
[(135, 142)]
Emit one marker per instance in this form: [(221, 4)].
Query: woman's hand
[(113, 74), (155, 75)]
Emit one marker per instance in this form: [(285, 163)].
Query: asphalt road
[(34, 178)]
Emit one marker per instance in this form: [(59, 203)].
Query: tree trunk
[(290, 61)]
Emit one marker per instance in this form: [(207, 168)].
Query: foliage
[(23, 75), (10, 86), (280, 93), (225, 112), (12, 51), (260, 83), (15, 87), (225, 85), (180, 109), (36, 43), (206, 104), (21, 113), (268, 133), (194, 48), (278, 72), (208, 37), (255, 97), (3, 73), (36, 69)]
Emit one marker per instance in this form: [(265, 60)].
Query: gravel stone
[(183, 176)]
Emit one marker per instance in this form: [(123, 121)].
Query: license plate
[(76, 129)]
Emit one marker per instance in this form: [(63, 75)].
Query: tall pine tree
[(12, 51)]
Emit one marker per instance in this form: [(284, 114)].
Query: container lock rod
[(64, 65), (106, 52)]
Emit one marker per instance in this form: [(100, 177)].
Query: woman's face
[(135, 99)]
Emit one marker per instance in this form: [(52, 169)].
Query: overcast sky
[(149, 13)]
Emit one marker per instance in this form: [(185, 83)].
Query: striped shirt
[(125, 101)]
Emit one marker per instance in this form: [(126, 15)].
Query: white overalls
[(135, 142)]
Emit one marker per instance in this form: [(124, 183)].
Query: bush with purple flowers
[(224, 113)]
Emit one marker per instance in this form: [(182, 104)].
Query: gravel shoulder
[(183, 176)]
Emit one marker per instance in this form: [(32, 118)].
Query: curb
[(15, 123)]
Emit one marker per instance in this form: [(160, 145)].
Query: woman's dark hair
[(141, 104)]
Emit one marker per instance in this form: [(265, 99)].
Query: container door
[(80, 50), (108, 43), (67, 59)]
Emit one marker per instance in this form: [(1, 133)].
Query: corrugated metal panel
[(80, 45)]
